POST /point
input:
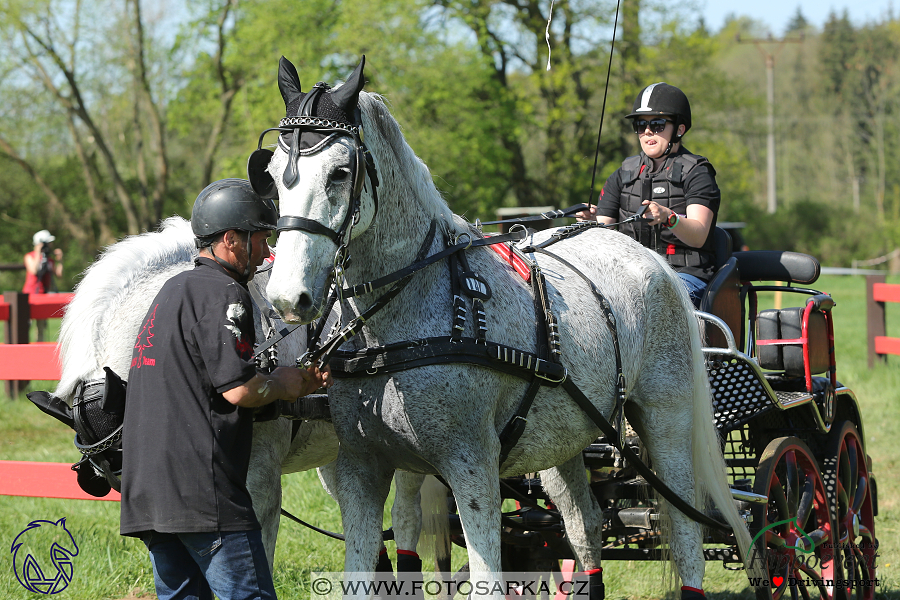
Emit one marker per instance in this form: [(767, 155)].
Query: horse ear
[(288, 81), (347, 95)]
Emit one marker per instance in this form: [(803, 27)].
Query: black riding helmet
[(663, 100), (231, 204)]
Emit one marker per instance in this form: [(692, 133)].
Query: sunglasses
[(656, 126)]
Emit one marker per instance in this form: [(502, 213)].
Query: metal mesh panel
[(738, 396), (741, 458)]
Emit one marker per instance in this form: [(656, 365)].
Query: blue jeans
[(193, 566), (695, 287)]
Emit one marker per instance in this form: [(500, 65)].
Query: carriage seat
[(722, 247), (788, 324), (723, 299), (778, 265)]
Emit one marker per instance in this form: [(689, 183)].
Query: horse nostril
[(304, 302)]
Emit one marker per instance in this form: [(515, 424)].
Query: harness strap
[(369, 286), (610, 318), (330, 346), (290, 222), (402, 356), (459, 305), (510, 435), (646, 472)]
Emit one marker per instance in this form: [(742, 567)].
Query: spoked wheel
[(849, 490), (792, 532)]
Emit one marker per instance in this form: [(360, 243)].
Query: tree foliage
[(115, 113)]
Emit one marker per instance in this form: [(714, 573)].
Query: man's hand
[(302, 382), (284, 383)]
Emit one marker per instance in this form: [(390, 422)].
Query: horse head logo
[(41, 547)]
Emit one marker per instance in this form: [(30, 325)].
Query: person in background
[(42, 264), (677, 188)]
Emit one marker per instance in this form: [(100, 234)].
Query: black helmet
[(662, 99), (231, 204)]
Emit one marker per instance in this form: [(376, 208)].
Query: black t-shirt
[(185, 448)]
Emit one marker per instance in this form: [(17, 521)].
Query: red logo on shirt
[(143, 342), (243, 347)]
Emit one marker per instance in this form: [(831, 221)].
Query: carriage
[(792, 436)]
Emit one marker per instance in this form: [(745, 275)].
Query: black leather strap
[(646, 472), (290, 222), (365, 288)]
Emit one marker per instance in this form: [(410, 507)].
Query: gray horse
[(104, 318), (447, 418)]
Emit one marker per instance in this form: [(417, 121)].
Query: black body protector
[(665, 187)]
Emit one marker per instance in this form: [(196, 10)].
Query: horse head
[(322, 205), (338, 152)]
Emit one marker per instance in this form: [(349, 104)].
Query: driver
[(192, 388), (677, 187)]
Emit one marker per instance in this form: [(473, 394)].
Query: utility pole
[(769, 57)]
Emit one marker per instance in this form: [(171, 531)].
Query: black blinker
[(260, 179)]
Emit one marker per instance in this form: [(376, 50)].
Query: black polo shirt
[(185, 448)]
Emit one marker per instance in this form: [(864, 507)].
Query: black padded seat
[(777, 265), (723, 299), (722, 246)]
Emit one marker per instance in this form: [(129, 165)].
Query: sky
[(777, 13)]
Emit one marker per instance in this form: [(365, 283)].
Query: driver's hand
[(587, 215)]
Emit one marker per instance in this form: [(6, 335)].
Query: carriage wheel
[(847, 481), (792, 532)]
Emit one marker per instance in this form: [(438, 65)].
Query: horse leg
[(361, 487), (668, 440), (568, 488), (406, 519), (473, 479), (271, 441)]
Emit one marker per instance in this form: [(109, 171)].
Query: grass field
[(111, 567)]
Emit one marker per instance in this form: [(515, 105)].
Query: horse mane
[(394, 155), (111, 278)]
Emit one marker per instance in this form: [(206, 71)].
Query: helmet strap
[(246, 275), (675, 137), (241, 277)]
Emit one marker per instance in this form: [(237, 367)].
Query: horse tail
[(435, 521), (710, 470)]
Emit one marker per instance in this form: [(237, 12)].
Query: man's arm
[(284, 383)]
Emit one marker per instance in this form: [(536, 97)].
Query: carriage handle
[(726, 331)]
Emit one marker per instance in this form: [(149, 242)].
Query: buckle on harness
[(565, 375)]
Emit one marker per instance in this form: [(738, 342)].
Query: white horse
[(446, 418), (103, 320)]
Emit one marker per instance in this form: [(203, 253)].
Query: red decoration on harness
[(513, 260), (670, 249)]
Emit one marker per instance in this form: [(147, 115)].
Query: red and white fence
[(878, 293)]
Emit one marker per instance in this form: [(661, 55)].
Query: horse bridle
[(361, 166)]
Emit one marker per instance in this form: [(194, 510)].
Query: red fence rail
[(21, 361), (878, 293)]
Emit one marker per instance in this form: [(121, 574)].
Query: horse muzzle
[(300, 309)]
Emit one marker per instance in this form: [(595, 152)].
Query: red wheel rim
[(795, 523), (853, 514)]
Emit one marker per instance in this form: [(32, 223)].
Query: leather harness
[(544, 367)]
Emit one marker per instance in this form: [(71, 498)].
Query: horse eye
[(340, 175)]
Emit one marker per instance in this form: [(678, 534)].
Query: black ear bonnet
[(312, 120)]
